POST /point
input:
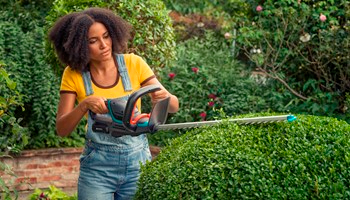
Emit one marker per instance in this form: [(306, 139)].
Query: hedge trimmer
[(125, 119)]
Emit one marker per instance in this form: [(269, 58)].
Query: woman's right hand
[(69, 116), (95, 104)]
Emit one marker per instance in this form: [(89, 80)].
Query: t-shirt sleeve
[(144, 70), (67, 83)]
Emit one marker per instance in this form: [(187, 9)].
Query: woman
[(89, 43)]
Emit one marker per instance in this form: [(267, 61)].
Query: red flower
[(42, 195), (211, 103), (195, 69), (203, 115), (212, 96), (171, 75)]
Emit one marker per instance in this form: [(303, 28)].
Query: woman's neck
[(104, 74), (100, 68)]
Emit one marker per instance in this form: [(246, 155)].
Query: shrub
[(23, 52), (192, 18), (305, 159), (304, 46), (233, 7), (13, 137), (28, 14), (207, 81), (205, 77), (153, 37)]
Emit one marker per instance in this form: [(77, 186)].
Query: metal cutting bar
[(253, 120)]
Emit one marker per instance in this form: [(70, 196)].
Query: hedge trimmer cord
[(123, 117)]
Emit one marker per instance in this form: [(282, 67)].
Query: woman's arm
[(68, 116), (161, 94)]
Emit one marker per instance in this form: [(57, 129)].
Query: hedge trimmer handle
[(129, 121)]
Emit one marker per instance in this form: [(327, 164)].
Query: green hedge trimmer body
[(125, 119)]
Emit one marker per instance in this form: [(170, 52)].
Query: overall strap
[(123, 73), (87, 82)]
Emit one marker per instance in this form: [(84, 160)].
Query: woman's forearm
[(65, 124)]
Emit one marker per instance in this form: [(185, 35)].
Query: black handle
[(130, 105)]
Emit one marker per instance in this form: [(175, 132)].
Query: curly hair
[(69, 35)]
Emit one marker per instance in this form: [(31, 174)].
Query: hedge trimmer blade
[(244, 121)]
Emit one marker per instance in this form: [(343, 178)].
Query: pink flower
[(227, 36), (259, 8), (212, 96), (171, 75), (195, 69), (203, 115), (211, 103), (323, 17)]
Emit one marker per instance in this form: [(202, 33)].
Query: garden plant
[(305, 159), (304, 46), (13, 137)]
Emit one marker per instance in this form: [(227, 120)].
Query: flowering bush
[(304, 46), (206, 79)]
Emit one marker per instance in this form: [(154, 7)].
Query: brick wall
[(45, 167)]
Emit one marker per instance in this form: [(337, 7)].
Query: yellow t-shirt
[(138, 70)]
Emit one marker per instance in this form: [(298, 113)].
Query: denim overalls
[(110, 166)]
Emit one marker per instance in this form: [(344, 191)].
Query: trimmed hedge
[(305, 159)]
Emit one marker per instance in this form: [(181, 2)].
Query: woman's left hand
[(159, 95), (162, 94)]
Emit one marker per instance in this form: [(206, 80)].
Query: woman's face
[(100, 43)]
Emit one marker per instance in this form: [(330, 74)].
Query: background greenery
[(216, 67), (314, 73), (287, 75), (221, 58)]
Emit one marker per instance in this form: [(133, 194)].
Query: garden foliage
[(153, 36), (206, 77), (305, 159), (13, 137), (22, 50), (192, 18), (305, 47), (215, 7), (52, 193)]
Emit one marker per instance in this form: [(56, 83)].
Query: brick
[(32, 166), (55, 164), (66, 184), (30, 180), (49, 178)]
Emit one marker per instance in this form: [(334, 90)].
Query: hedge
[(305, 159)]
